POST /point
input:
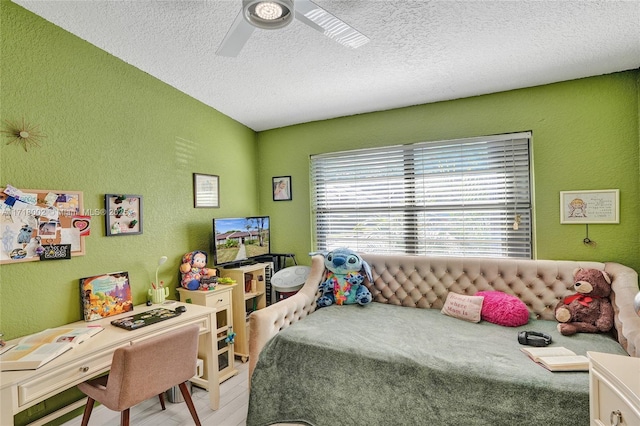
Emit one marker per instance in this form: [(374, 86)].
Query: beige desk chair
[(146, 369)]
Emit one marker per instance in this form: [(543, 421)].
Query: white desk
[(20, 390)]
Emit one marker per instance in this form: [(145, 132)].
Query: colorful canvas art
[(105, 295)]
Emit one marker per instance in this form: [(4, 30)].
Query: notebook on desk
[(143, 319)]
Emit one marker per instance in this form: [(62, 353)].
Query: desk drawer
[(611, 402), (49, 384), (204, 324), (219, 300)]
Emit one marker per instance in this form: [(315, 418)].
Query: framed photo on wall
[(281, 186), (123, 214), (601, 206), (206, 190)]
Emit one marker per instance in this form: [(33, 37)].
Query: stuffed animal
[(589, 310), (343, 282), (194, 268)]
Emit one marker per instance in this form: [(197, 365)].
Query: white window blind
[(456, 198)]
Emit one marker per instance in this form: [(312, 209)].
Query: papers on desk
[(38, 349), (5, 348)]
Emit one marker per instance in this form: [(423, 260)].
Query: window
[(450, 198)]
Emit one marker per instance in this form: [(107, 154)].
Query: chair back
[(148, 368)]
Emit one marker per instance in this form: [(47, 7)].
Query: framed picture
[(206, 190), (601, 206), (123, 214), (104, 295), (281, 186)]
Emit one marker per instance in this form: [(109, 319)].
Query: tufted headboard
[(425, 281)]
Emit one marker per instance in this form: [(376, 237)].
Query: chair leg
[(124, 418), (161, 397), (189, 401), (87, 411)]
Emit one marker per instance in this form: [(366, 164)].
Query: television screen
[(237, 240)]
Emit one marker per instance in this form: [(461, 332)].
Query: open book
[(557, 358), (38, 349)]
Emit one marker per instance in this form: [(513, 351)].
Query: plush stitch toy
[(194, 268), (343, 282), (589, 310)]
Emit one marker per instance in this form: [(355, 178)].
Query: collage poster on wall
[(41, 224)]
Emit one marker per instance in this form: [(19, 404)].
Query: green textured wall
[(110, 128), (585, 136), (114, 129)]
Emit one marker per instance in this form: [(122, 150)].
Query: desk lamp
[(161, 261)]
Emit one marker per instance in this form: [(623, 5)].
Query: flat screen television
[(240, 240)]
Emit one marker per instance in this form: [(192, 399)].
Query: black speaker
[(534, 338)]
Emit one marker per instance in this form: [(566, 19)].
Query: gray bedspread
[(388, 365)]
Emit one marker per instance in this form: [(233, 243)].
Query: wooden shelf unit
[(221, 298), (245, 302)]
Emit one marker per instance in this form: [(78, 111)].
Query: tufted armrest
[(266, 323), (624, 283)]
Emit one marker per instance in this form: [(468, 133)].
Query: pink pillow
[(503, 309), (463, 307)]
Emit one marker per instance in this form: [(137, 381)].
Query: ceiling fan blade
[(236, 37), (321, 20)]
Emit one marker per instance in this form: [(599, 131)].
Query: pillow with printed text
[(463, 307)]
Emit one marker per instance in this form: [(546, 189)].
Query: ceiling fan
[(274, 14)]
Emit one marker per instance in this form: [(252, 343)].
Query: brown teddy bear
[(589, 310)]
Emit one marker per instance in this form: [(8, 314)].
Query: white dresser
[(614, 390), (220, 298)]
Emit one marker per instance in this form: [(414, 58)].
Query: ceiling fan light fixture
[(274, 14), (268, 10), (268, 15)]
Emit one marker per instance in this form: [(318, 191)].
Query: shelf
[(224, 376), (246, 301), (248, 296)]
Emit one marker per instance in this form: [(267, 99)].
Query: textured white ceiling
[(420, 51)]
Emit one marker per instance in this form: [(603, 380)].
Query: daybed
[(384, 364)]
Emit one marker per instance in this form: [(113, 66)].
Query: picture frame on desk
[(105, 295)]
